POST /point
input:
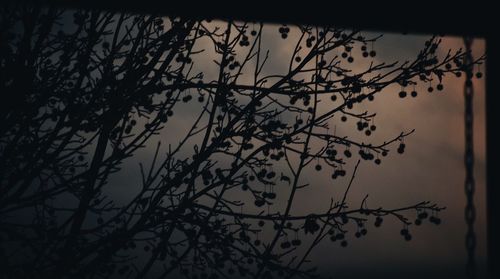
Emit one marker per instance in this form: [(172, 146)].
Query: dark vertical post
[(492, 153), (470, 185)]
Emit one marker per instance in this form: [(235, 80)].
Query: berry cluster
[(244, 41), (406, 234), (284, 30), (309, 41)]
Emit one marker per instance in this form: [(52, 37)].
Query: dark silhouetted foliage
[(83, 91)]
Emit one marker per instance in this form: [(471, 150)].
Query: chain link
[(470, 210)]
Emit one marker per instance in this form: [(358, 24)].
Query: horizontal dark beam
[(401, 16)]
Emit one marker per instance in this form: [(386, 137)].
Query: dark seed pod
[(187, 98), (401, 148), (345, 220), (259, 202), (286, 245), (359, 125), (408, 237), (423, 215)]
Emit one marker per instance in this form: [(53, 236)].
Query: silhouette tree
[(83, 91)]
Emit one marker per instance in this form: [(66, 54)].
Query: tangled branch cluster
[(83, 91)]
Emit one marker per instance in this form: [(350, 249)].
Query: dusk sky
[(432, 169)]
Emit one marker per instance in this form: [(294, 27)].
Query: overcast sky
[(431, 169)]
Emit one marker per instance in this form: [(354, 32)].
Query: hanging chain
[(470, 211)]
